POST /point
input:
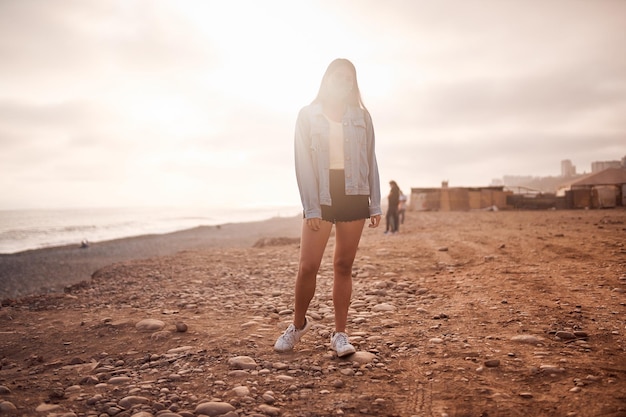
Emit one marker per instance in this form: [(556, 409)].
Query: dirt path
[(460, 314)]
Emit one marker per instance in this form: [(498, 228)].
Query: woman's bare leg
[(347, 237), (312, 246)]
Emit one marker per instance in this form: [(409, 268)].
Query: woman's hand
[(374, 221), (314, 224)]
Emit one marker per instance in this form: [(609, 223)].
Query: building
[(458, 198), (598, 166), (567, 168), (604, 189)]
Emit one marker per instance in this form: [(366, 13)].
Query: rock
[(551, 368), (181, 327), (150, 325), (214, 408), (565, 335), (46, 408), (269, 410), (7, 407), (492, 363), (4, 390), (180, 349), (338, 383), (363, 357), (241, 391), (526, 338), (130, 401), (383, 307), (143, 414), (239, 373), (268, 397), (242, 362), (118, 380)]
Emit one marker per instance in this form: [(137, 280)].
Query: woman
[(392, 222), (338, 181)]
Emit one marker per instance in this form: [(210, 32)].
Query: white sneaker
[(291, 336), (340, 344)]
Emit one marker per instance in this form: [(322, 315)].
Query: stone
[(214, 408), (565, 335), (7, 407), (242, 362), (269, 410), (142, 414), (492, 363), (150, 325), (363, 357), (118, 380), (46, 408), (130, 401), (383, 307), (241, 391), (526, 338)]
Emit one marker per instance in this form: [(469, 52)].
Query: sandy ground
[(460, 314)]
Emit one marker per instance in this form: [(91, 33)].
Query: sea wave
[(22, 230)]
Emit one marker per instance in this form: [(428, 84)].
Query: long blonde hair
[(355, 95)]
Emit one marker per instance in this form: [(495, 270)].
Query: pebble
[(269, 410), (46, 408), (241, 391), (362, 357), (552, 368), (7, 407), (338, 383), (130, 401), (214, 408), (143, 414), (492, 363), (242, 362), (526, 338), (150, 325), (119, 380), (383, 307)]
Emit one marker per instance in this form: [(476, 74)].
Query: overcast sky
[(147, 102)]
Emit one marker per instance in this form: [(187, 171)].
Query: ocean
[(22, 230)]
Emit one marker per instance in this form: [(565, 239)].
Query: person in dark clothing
[(392, 220)]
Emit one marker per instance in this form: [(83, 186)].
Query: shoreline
[(45, 270)]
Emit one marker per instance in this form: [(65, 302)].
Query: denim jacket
[(313, 159)]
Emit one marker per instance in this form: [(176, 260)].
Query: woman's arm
[(306, 174), (374, 180)]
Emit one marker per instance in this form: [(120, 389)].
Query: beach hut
[(604, 189), (458, 198)]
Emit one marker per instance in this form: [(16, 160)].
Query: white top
[(335, 144)]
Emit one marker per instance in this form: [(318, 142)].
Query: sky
[(127, 103)]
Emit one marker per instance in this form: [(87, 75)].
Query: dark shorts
[(344, 208)]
